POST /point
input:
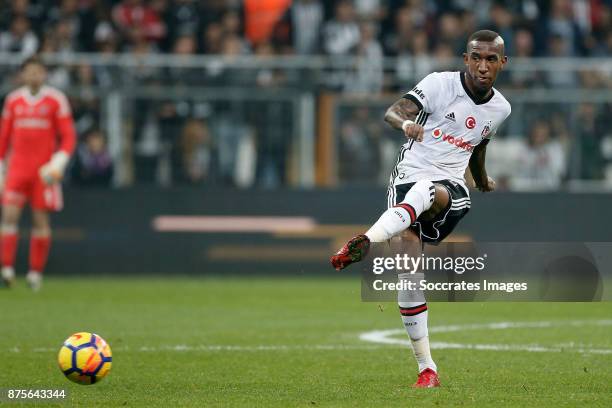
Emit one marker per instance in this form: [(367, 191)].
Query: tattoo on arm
[(401, 110)]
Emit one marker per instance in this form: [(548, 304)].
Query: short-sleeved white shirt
[(454, 123)]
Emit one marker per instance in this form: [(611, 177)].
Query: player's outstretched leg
[(352, 251), (396, 219), (40, 242)]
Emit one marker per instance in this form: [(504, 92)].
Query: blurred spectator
[(235, 148), (370, 10), (562, 32), (138, 20), (397, 41), (543, 162), (221, 72), (182, 19), (104, 31), (261, 17), (212, 41), (445, 57), (195, 152), (232, 29), (589, 136), (367, 77), (341, 34), (523, 48), (141, 47), (414, 62), (12, 9), (85, 104), (19, 38), (63, 34), (93, 165), (299, 29), (469, 23), (230, 22), (502, 20), (266, 77), (451, 33), (558, 47), (67, 23), (605, 48), (360, 142), (184, 46)]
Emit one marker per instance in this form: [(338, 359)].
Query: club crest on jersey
[(470, 122), (451, 116), (487, 129), (458, 142)]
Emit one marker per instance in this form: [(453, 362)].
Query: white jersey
[(453, 125)]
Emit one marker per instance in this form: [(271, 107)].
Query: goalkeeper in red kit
[(37, 137)]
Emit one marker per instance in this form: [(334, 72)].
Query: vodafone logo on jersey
[(470, 122), (458, 142)]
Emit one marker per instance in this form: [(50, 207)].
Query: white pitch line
[(518, 325), (383, 343), (221, 347), (385, 337)]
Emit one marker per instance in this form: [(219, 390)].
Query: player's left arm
[(477, 168), (53, 171), (476, 165)]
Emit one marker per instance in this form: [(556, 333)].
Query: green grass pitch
[(295, 343)]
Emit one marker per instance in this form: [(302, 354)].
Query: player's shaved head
[(487, 36), (484, 59)]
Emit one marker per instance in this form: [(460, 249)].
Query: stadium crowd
[(392, 27), (368, 30)]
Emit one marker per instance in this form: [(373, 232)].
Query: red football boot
[(353, 251), (428, 378)]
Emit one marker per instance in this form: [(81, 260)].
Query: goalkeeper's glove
[(53, 171)]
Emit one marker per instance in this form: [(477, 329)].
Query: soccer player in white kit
[(448, 119)]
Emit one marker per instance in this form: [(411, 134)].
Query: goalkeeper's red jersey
[(34, 127)]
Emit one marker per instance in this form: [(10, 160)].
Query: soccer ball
[(85, 358)]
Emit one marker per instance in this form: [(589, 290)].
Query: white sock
[(391, 222), (422, 354), (396, 219), (413, 309), (8, 272)]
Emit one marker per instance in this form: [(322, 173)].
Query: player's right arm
[(424, 97), (6, 127), (401, 116)]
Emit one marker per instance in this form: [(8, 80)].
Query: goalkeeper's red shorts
[(20, 189)]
